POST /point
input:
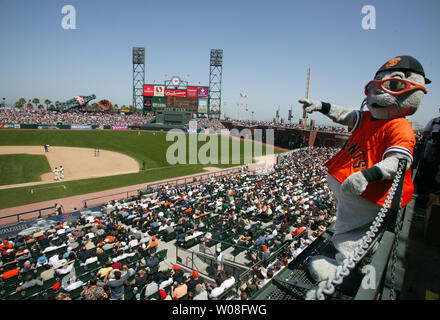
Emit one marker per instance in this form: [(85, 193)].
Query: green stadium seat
[(49, 283), (76, 293), (31, 292), (15, 296)]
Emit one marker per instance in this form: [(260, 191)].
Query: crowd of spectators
[(205, 123), (14, 116), (326, 128), (121, 246)]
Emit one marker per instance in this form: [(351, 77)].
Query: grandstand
[(264, 223), (200, 228)]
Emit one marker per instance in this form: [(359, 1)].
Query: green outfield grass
[(21, 168), (146, 146)]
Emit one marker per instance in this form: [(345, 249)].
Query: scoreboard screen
[(183, 103), (158, 97)]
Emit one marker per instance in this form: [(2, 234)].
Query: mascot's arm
[(336, 113), (357, 182)]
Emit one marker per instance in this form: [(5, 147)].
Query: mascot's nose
[(378, 92)]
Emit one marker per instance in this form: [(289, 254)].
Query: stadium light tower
[(138, 77), (215, 81)]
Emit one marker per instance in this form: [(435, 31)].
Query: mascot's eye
[(394, 85)]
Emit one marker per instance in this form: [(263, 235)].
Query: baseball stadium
[(170, 198)]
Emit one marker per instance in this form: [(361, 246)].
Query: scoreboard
[(193, 98)]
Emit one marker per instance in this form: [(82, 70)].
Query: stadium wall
[(292, 138), (149, 127)]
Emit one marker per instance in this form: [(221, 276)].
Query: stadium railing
[(152, 186), (36, 214)]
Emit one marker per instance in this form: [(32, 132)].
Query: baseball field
[(27, 171)]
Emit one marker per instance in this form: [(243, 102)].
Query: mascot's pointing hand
[(356, 183), (310, 106)]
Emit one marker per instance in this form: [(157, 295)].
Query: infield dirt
[(78, 163)]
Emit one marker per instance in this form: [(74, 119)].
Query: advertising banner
[(124, 127), (203, 105), (9, 126), (159, 91), (47, 126), (148, 90), (148, 102), (175, 93), (159, 102), (202, 92), (28, 227), (191, 92), (80, 127)]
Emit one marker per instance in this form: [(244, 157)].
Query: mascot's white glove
[(310, 106), (356, 183)]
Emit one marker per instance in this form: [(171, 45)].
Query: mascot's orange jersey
[(368, 144)]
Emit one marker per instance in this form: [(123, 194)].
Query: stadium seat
[(49, 283), (31, 292), (15, 296), (76, 293), (161, 254), (129, 293), (13, 281), (154, 270), (85, 277)]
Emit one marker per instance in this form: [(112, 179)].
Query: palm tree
[(36, 101), (52, 107), (20, 103), (47, 102), (131, 107)]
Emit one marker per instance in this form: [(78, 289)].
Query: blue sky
[(268, 47)]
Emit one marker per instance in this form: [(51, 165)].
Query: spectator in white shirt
[(229, 282)]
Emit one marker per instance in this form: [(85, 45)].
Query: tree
[(131, 107), (47, 102), (52, 107), (40, 107), (36, 101), (20, 103)]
